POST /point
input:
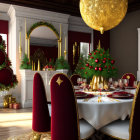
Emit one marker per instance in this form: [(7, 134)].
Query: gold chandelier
[(103, 15)]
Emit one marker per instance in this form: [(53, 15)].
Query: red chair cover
[(131, 78), (64, 122), (135, 117), (73, 78), (41, 118)]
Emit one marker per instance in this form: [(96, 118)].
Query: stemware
[(135, 84), (126, 82), (79, 81), (115, 84)]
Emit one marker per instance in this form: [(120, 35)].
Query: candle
[(25, 38), (29, 49), (65, 43), (60, 48), (60, 31)]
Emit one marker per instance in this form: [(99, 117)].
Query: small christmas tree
[(99, 63), (80, 66), (25, 64), (7, 78), (61, 63)]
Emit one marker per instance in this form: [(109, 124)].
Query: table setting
[(103, 106)]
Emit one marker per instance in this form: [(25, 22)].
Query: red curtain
[(72, 38), (4, 29), (104, 39)]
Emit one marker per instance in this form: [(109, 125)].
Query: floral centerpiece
[(50, 65)]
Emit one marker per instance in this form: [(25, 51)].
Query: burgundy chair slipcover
[(73, 78), (131, 77), (135, 117), (40, 118), (64, 118)]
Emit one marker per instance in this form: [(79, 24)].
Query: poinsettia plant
[(50, 64)]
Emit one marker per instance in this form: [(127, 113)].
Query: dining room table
[(102, 109)]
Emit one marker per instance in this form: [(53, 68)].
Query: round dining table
[(100, 111)]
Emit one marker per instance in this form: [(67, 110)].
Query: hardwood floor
[(15, 122)]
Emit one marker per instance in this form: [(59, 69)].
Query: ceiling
[(63, 6)]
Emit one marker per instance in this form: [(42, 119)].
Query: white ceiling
[(43, 32)]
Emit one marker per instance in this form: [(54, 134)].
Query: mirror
[(43, 43)]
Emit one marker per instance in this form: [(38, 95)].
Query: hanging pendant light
[(103, 15)]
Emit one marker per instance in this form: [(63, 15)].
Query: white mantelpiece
[(138, 72), (27, 85)]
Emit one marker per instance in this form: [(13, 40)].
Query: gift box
[(16, 106), (10, 105)]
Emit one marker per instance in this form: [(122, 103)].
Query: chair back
[(40, 118), (131, 77), (64, 118), (73, 78), (134, 128)]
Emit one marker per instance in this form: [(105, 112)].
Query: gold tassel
[(38, 68)]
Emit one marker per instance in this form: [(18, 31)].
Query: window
[(4, 37), (84, 49)]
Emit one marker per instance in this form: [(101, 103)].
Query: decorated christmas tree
[(80, 66), (100, 63), (7, 78), (25, 64)]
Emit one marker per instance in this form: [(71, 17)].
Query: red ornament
[(87, 65), (105, 66), (90, 67), (112, 61), (6, 76), (97, 60), (96, 68), (100, 69), (113, 68), (94, 53), (90, 54), (104, 61), (92, 57), (104, 58)]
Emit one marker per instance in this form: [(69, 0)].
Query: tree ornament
[(97, 60), (96, 68), (104, 61), (100, 69), (90, 53), (87, 65), (94, 53), (90, 67), (104, 58), (92, 57), (105, 66), (112, 61)]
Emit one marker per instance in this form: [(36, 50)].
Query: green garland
[(25, 64), (42, 23)]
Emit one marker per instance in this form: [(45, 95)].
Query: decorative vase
[(98, 83)]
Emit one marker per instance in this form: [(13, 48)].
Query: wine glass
[(135, 84), (115, 84), (120, 82), (126, 82), (79, 81)]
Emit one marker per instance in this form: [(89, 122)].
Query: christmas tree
[(25, 64), (7, 78), (99, 63), (80, 66)]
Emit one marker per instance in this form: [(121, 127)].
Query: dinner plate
[(121, 95), (82, 95)]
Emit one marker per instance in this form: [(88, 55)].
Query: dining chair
[(65, 124), (131, 77), (74, 78), (40, 118), (126, 129)]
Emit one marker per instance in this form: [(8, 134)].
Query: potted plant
[(62, 65)]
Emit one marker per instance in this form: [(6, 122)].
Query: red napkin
[(121, 95), (83, 95)]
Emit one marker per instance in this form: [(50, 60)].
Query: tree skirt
[(30, 136)]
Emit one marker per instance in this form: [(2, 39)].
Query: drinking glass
[(126, 82), (115, 84), (135, 84), (79, 81)]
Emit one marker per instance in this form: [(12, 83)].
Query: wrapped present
[(16, 106)]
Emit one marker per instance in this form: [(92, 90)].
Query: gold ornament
[(103, 15), (59, 81)]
